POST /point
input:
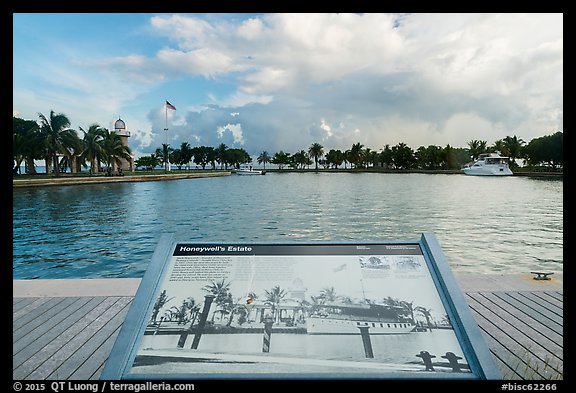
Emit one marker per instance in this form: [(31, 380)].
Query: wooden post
[(365, 333), (202, 321)]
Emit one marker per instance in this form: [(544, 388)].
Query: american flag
[(170, 106)]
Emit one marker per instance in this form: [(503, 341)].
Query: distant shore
[(424, 171), (84, 178), (70, 179)]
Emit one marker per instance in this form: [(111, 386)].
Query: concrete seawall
[(469, 282), (63, 181)]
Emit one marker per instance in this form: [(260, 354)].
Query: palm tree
[(476, 148), (221, 155), (355, 155), (315, 304), (403, 156), (149, 162), (273, 298), (27, 143), (501, 146), (264, 158), (281, 159), (221, 292), (328, 295), (334, 158), (114, 150), (164, 154), (57, 136), (74, 155), (514, 145), (346, 158), (237, 307), (93, 146), (409, 307), (160, 302), (185, 153), (184, 313), (426, 313), (300, 159), (316, 150)]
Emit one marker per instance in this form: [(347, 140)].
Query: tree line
[(546, 151), (229, 307), (51, 139)]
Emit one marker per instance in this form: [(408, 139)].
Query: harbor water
[(483, 224)]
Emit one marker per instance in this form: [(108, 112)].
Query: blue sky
[(270, 82)]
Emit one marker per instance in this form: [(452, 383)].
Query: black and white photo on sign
[(298, 314)]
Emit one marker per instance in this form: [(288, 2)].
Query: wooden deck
[(65, 329)]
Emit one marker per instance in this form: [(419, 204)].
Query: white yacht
[(249, 171), (488, 164)]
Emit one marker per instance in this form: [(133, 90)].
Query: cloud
[(231, 134), (336, 79), (375, 74)]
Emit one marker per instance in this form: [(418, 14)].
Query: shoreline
[(71, 179), (74, 180)]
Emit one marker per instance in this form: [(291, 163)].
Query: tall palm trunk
[(30, 165), (94, 166), (48, 165), (55, 164)]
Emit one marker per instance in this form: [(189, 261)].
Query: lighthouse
[(120, 130)]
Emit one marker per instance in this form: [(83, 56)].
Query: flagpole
[(167, 145)]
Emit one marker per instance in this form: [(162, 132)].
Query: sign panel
[(299, 311)]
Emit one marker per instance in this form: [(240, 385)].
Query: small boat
[(488, 164), (249, 171)]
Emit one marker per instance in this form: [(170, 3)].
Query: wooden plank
[(509, 348), (40, 316), (18, 303), (556, 295), (521, 308), (507, 371), (23, 317), (90, 346), (551, 353), (93, 368), (555, 305), (27, 347), (59, 337), (502, 355), (532, 309), (16, 300), (537, 331), (29, 307), (540, 306), (69, 347)]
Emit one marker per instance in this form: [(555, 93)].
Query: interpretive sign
[(314, 310)]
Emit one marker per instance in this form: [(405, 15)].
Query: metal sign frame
[(478, 361)]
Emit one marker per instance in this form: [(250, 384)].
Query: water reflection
[(494, 225)]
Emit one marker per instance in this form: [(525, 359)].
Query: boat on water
[(349, 318), (249, 171), (488, 164)]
